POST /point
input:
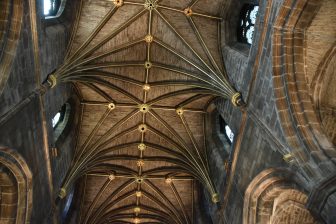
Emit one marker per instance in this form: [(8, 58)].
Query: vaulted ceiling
[(146, 71)]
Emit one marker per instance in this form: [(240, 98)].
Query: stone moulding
[(20, 170), (302, 129), (11, 21), (273, 196)]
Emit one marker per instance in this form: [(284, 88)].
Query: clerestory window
[(53, 8), (67, 206), (248, 17), (61, 120), (59, 117), (229, 134), (226, 130)]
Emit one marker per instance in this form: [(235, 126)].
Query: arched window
[(53, 8), (229, 133), (60, 120), (59, 117), (248, 16), (226, 130), (67, 206)]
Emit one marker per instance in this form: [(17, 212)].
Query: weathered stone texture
[(21, 80), (256, 155), (250, 69), (262, 100), (26, 139), (252, 76), (8, 196), (23, 131)]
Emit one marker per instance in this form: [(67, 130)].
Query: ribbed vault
[(146, 71)]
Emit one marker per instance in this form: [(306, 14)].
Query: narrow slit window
[(248, 17)]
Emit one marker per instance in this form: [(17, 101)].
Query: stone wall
[(8, 195), (261, 142), (22, 129), (255, 155), (21, 80)]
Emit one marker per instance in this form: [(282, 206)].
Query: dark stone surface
[(257, 153), (21, 80), (24, 134), (23, 131), (263, 139), (262, 142)]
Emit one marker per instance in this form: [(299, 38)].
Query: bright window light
[(47, 7), (249, 34), (229, 133), (253, 15), (248, 19), (56, 119)]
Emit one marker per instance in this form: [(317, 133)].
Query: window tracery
[(248, 16)]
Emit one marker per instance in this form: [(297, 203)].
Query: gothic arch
[(289, 207), (292, 79), (324, 98), (18, 189), (11, 12), (273, 197)]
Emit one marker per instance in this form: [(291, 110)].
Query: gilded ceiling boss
[(167, 111)]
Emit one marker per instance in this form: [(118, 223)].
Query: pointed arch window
[(229, 134), (67, 206), (248, 17), (60, 120), (53, 8), (59, 117), (226, 130)]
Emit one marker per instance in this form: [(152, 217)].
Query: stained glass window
[(248, 16)]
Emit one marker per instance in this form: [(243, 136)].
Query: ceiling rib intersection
[(142, 139)]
